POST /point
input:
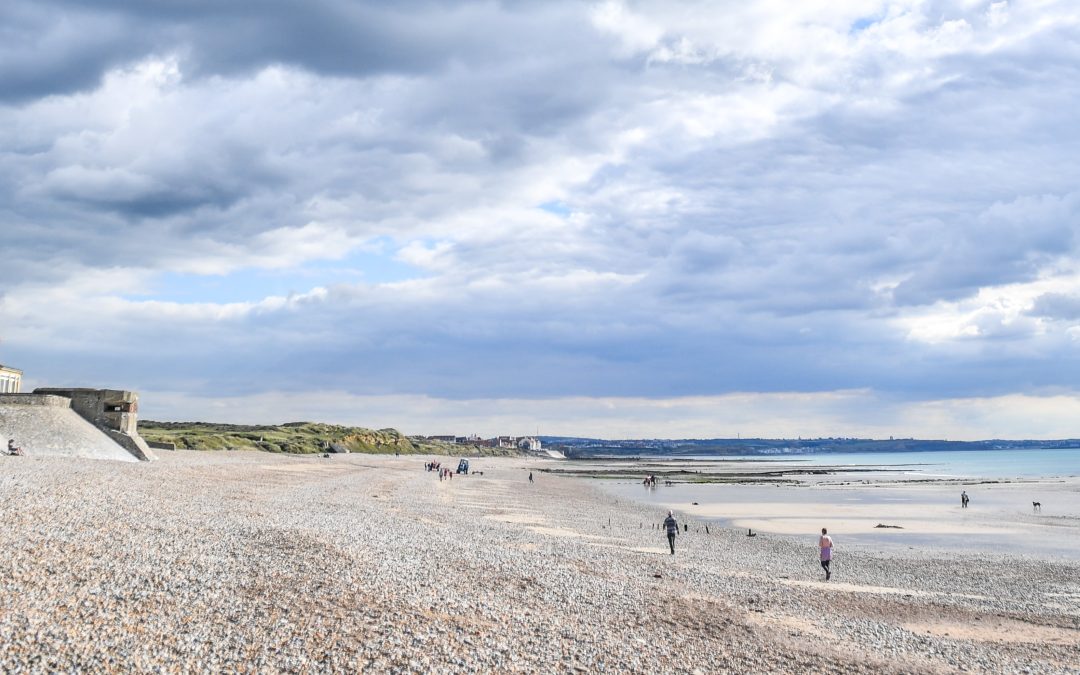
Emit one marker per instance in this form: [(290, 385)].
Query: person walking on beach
[(530, 477), (963, 499), (825, 544), (672, 530)]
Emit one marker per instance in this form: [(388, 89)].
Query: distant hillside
[(590, 447), (301, 438)]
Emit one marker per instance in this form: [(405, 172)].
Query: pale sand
[(786, 518), (998, 630)]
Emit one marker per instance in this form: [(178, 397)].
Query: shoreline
[(924, 511), (230, 561)]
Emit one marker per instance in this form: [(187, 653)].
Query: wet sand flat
[(918, 512)]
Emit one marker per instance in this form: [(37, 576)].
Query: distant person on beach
[(963, 499), (530, 477), (672, 530), (11, 449), (825, 544)]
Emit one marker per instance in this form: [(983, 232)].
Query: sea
[(1012, 463), (1002, 484)]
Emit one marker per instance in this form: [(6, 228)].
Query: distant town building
[(469, 440), (10, 380), (519, 442), (529, 443)]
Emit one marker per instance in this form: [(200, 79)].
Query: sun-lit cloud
[(603, 202)]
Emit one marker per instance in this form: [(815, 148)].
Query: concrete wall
[(35, 399), (48, 427), (107, 408), (114, 411)]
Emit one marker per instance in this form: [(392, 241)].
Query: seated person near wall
[(11, 449)]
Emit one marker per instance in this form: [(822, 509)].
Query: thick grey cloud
[(600, 199), (232, 37), (46, 51), (1061, 306)]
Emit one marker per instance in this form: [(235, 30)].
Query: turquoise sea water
[(1001, 517), (1029, 463)]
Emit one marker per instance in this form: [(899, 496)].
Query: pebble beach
[(253, 562)]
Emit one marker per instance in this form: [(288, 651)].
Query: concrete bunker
[(114, 411), (75, 422)]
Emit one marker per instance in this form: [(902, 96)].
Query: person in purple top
[(825, 544)]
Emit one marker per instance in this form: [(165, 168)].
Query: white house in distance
[(10, 380), (529, 443)]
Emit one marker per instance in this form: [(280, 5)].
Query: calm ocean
[(1003, 507), (1029, 463)]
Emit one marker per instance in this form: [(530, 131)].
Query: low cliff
[(298, 437)]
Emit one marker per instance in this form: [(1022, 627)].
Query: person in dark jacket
[(672, 529)]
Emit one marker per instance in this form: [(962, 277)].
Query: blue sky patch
[(252, 285), (558, 208), (862, 24)]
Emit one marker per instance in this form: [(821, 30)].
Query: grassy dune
[(299, 437)]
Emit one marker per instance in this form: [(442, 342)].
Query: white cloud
[(996, 311), (636, 33), (622, 200)]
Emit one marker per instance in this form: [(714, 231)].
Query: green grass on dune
[(300, 438)]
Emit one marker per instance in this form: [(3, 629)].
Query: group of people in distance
[(444, 474), (12, 449)]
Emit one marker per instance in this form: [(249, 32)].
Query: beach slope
[(245, 560)]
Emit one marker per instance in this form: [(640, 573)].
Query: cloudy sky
[(622, 219)]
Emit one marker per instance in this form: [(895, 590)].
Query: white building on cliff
[(10, 380)]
